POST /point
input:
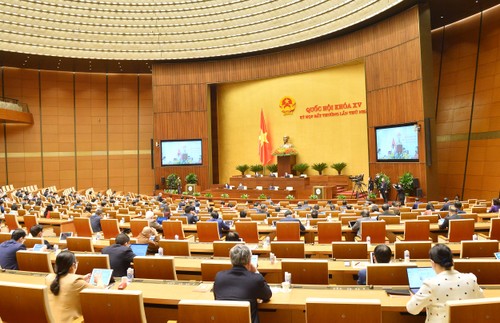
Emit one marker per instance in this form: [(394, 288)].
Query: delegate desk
[(161, 298), (59, 225)]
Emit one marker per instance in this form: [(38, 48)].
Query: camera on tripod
[(357, 178)]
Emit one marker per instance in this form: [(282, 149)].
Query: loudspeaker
[(157, 186), (416, 183), (163, 180), (320, 191), (419, 192)]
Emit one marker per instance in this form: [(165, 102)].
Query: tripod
[(359, 188)]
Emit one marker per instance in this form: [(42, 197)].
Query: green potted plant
[(256, 169), (406, 181), (224, 195), (242, 169), (290, 197), (319, 167), (191, 181), (372, 196), (300, 168), (262, 196), (196, 194), (209, 195), (185, 193), (341, 197), (339, 167), (173, 183), (272, 168), (313, 197), (378, 180), (244, 196)]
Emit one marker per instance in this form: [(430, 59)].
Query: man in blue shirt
[(9, 248), (95, 221)]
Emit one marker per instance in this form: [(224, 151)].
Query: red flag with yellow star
[(265, 149)]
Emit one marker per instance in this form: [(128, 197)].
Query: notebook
[(64, 235), (139, 249), (106, 275), (417, 275)]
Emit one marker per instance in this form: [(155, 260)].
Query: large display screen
[(397, 143), (181, 152)]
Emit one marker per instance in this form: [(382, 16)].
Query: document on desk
[(204, 288), (359, 264)]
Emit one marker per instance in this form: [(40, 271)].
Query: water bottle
[(176, 237), (407, 255), (474, 237), (272, 258), (308, 223), (98, 236), (267, 241), (288, 277), (130, 274), (122, 220), (368, 240), (56, 248), (160, 251)]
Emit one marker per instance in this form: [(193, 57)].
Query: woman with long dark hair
[(447, 285), (65, 287)]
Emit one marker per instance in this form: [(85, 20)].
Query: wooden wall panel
[(391, 50), (85, 124), (146, 173), (468, 111)]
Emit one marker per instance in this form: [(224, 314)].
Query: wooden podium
[(285, 164)]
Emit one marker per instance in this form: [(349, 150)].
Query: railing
[(13, 104)]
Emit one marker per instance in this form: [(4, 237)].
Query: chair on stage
[(247, 231), (350, 250), (478, 248), (155, 268), (373, 229), (208, 231), (110, 228), (82, 227), (474, 310), (288, 249), (173, 228), (11, 222), (175, 247), (416, 230), (38, 261), (306, 271), (25, 303), (494, 230), (80, 244), (210, 268), (221, 248), (31, 242), (195, 311), (388, 274), (136, 226), (417, 249), (30, 221), (104, 305), (87, 262), (288, 231), (326, 310), (329, 232), (460, 229)]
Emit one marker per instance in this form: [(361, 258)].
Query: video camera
[(357, 178)]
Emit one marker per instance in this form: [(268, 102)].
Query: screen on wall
[(181, 152), (397, 143)]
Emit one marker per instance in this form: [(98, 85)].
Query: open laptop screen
[(417, 275), (139, 249)]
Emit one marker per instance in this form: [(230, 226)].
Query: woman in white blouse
[(447, 285)]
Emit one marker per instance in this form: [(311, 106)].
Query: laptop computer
[(39, 247), (64, 235), (139, 249), (106, 275), (497, 255), (417, 275), (229, 223)]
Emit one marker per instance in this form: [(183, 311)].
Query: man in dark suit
[(384, 189), (192, 218), (243, 282), (95, 220), (446, 205), (9, 248), (223, 227), (120, 255), (289, 218), (453, 216), (365, 216)]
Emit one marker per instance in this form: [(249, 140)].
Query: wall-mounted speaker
[(163, 180)]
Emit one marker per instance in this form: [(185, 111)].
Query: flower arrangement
[(224, 195), (290, 197), (282, 151), (244, 196)]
